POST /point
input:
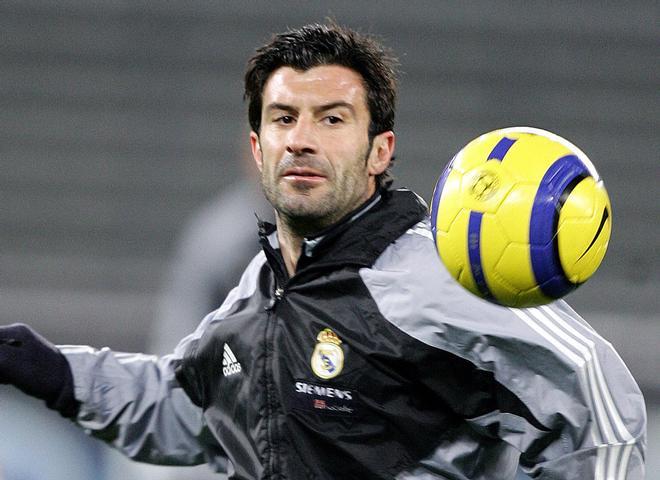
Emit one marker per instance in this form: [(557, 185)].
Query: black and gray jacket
[(371, 362)]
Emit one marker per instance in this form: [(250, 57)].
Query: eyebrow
[(338, 104), (280, 106), (322, 108)]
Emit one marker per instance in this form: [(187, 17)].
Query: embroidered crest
[(328, 357)]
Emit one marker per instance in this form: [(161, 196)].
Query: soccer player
[(346, 350)]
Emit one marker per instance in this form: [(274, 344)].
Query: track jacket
[(371, 362)]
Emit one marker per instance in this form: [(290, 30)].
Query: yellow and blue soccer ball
[(520, 217)]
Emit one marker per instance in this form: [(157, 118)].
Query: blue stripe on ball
[(437, 193), (557, 183), (474, 254), (500, 150)]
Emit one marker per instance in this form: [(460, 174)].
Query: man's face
[(313, 147)]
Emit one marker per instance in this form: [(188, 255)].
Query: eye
[(284, 119), (333, 120)]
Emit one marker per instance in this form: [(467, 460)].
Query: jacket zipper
[(270, 451), (271, 401), (281, 278)]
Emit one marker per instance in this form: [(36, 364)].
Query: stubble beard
[(306, 212)]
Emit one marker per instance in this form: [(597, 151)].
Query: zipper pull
[(277, 296)]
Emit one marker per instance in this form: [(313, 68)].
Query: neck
[(292, 231)]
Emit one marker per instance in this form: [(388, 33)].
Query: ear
[(256, 149), (381, 153)]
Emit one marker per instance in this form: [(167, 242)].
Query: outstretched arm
[(131, 401)]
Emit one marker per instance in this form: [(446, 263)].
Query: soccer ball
[(520, 217)]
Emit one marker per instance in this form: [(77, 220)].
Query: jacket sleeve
[(579, 392), (134, 403), (584, 416)]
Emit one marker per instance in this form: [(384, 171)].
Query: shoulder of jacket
[(414, 291), (247, 286)]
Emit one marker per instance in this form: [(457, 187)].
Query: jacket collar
[(362, 235)]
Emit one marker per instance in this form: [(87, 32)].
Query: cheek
[(354, 158), (267, 156), (350, 148), (351, 173)]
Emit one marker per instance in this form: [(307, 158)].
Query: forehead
[(322, 84)]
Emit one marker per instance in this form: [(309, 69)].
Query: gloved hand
[(34, 365)]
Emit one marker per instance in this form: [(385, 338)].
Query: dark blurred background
[(119, 119)]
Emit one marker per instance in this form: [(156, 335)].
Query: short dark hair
[(329, 44)]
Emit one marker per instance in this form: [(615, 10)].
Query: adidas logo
[(230, 365)]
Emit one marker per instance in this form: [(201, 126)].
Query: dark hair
[(331, 44)]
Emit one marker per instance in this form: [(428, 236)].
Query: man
[(346, 350)]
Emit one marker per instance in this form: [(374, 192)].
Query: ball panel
[(585, 225), (581, 202), (452, 246), (531, 156), (494, 242), (484, 188), (513, 268), (450, 198), (555, 139), (514, 213), (513, 282)]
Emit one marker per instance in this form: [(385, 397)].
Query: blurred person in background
[(346, 351), (211, 253)]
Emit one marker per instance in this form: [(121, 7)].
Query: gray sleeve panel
[(134, 402), (569, 377)]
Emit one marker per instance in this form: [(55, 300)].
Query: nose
[(301, 139)]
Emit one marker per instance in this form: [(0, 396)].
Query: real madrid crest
[(328, 357)]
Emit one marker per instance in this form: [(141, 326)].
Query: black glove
[(33, 364)]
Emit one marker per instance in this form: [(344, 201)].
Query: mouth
[(303, 174)]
